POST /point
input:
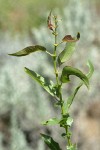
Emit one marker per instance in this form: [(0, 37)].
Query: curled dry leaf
[(69, 38)]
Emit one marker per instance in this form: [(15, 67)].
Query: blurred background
[(23, 103)]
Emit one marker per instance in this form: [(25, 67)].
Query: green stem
[(68, 136), (55, 48), (54, 61), (57, 78)]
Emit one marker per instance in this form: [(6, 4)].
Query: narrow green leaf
[(46, 84), (52, 121), (66, 53), (28, 50), (67, 104), (50, 142), (69, 101), (91, 69), (67, 71)]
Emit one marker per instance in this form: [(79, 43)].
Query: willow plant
[(62, 76)]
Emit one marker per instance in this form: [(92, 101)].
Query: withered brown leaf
[(69, 38)]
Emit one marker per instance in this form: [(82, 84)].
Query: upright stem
[(55, 48), (57, 78), (55, 56), (54, 60), (68, 136)]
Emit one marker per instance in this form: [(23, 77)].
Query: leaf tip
[(87, 84), (25, 69), (43, 123), (42, 135), (88, 87), (78, 35), (89, 63), (11, 54)]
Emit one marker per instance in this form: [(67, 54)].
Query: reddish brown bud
[(50, 25)]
